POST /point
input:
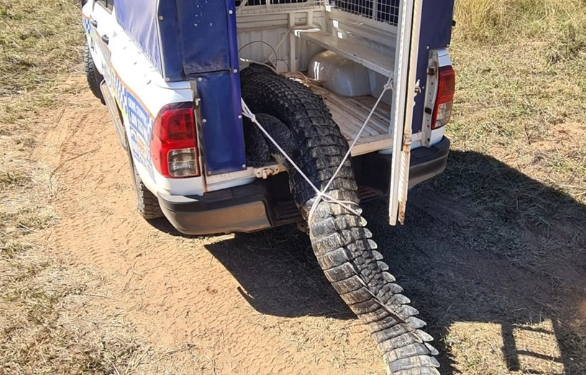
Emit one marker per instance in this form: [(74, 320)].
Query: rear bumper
[(239, 209), (250, 208), (426, 163)]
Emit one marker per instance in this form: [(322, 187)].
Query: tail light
[(173, 142), (445, 97)]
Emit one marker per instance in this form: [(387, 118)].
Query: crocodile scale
[(303, 126)]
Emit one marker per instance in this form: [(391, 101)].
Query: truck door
[(406, 88), (102, 25)]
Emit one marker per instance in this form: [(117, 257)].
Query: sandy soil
[(245, 304), (502, 293)]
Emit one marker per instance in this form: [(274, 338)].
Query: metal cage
[(379, 10), (386, 11)]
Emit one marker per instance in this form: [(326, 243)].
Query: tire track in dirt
[(176, 291)]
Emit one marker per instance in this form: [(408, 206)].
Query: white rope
[(386, 87), (321, 195), (241, 7)]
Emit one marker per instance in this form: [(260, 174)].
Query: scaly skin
[(302, 125)]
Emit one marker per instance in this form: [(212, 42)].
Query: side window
[(108, 4)]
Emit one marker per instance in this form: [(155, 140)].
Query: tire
[(93, 76), (301, 123), (147, 203)]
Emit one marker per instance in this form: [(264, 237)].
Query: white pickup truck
[(238, 116)]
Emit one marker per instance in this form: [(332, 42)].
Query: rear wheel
[(93, 76), (147, 203), (302, 125)]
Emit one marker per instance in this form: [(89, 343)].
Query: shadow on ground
[(485, 243), (482, 243), (279, 274)]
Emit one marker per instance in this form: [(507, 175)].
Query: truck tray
[(350, 114)]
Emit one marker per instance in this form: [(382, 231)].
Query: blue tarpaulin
[(196, 40), (182, 38)]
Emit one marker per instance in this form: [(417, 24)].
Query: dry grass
[(49, 323), (492, 22), (46, 323), (521, 87), (518, 173), (518, 131), (39, 40)]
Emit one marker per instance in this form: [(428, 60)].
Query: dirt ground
[(493, 253), (244, 304), (501, 286)]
